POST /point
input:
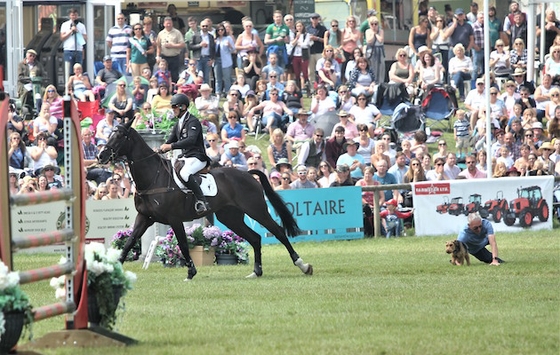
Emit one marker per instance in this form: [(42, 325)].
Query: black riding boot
[(201, 205)]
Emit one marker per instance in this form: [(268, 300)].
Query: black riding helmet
[(180, 99)]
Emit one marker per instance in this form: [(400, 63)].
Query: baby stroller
[(439, 104), (406, 120), (389, 96)]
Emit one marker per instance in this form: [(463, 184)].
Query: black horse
[(159, 199)]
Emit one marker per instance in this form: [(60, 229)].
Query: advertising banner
[(322, 214), (511, 204)]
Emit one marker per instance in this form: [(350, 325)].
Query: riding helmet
[(180, 99)]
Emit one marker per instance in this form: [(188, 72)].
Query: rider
[(187, 136)]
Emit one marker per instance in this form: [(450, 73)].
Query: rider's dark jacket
[(189, 138)]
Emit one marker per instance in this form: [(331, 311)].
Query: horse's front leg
[(141, 223), (179, 230)]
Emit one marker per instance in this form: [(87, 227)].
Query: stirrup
[(200, 207)]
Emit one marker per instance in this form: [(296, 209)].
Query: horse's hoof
[(187, 279), (251, 276), (309, 270)]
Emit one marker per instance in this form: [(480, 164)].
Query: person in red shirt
[(391, 219)]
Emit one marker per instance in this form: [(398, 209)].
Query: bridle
[(114, 148)]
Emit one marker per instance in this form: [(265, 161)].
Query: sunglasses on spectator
[(50, 90), (252, 164), (334, 25), (439, 164), (319, 135), (493, 93), (414, 164), (323, 166), (328, 50), (234, 117), (555, 95), (529, 135), (41, 138), (147, 108), (122, 85), (443, 144), (361, 98), (211, 140), (363, 130), (138, 29), (274, 94), (402, 55), (286, 178), (272, 76)]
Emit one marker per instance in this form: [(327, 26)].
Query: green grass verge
[(371, 296)]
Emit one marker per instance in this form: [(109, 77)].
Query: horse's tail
[(288, 221)]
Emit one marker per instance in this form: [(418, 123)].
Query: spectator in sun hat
[(355, 161), (343, 177), (275, 179), (545, 152), (232, 157), (54, 181), (283, 164)]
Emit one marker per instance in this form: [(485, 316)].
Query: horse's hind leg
[(141, 223), (280, 234), (233, 219), (181, 236)]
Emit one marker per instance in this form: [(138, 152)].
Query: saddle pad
[(206, 181)]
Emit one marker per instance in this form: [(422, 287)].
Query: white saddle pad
[(207, 185)]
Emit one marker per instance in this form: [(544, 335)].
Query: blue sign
[(322, 214)]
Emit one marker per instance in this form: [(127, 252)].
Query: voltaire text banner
[(322, 214)]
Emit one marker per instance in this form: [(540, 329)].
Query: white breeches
[(192, 166)]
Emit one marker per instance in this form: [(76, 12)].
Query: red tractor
[(456, 207), (441, 209), (528, 204), (474, 205), (497, 207)]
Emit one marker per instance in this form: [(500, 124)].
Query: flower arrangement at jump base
[(210, 239), (108, 283), (15, 309), (119, 240)]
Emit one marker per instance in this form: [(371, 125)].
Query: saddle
[(179, 164)]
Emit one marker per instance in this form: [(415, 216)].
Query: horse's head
[(117, 145)]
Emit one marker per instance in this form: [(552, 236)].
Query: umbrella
[(129, 81)]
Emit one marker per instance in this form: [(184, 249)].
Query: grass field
[(371, 296)]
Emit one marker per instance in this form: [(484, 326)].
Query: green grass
[(371, 296)]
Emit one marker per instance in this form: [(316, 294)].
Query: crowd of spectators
[(339, 69)]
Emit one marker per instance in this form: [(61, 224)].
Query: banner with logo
[(511, 204)]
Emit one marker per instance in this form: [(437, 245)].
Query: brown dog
[(458, 251)]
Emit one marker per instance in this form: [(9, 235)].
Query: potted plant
[(168, 251), (201, 249), (108, 283), (231, 249), (119, 240), (15, 309)]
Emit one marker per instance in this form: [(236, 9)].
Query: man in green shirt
[(193, 28), (277, 34)]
